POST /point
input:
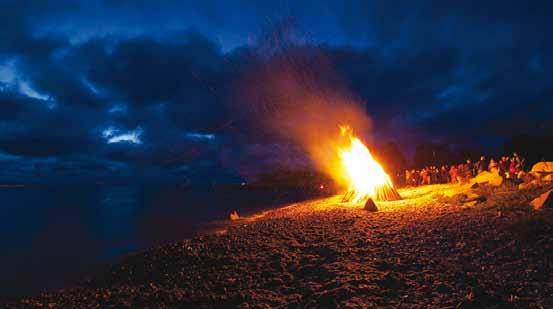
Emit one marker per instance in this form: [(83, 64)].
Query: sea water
[(52, 237)]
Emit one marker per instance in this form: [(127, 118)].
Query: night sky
[(146, 90)]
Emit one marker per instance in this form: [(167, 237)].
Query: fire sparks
[(363, 174)]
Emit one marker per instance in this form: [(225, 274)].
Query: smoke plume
[(296, 97)]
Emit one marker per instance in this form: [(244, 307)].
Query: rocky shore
[(439, 247)]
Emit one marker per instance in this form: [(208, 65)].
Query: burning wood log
[(382, 193), (348, 196), (386, 193)]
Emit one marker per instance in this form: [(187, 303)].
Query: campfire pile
[(382, 193), (366, 178)]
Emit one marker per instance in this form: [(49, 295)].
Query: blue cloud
[(70, 71)]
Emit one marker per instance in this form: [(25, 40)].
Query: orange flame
[(361, 171)]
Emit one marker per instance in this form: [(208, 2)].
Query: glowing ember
[(364, 176)]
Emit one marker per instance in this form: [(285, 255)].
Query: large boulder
[(525, 185), (471, 199), (544, 201), (542, 169), (490, 178)]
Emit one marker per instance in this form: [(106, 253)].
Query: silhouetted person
[(461, 172), (481, 165), (444, 174), (425, 176), (503, 166), (469, 170), (453, 173), (493, 167), (512, 169)]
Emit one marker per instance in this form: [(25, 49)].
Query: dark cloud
[(145, 71), (32, 128), (169, 74), (12, 104)]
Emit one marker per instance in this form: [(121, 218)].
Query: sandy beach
[(436, 248)]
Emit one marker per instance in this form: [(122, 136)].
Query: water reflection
[(50, 237), (118, 210)]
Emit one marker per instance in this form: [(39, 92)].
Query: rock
[(471, 199), (370, 205), (528, 184), (234, 215), (542, 170), (542, 167), (470, 196), (492, 179), (544, 201), (525, 185)]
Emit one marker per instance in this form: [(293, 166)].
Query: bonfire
[(365, 177)]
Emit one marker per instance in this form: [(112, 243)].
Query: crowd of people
[(510, 167)]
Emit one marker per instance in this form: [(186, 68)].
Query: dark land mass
[(438, 248)]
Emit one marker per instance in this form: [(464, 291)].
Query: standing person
[(473, 168), (519, 169), (518, 165), (433, 175), (424, 176), (461, 173), (516, 157), (415, 177), (453, 173), (468, 171), (481, 165), (519, 162), (512, 169), (428, 175), (503, 166), (444, 174), (493, 166)]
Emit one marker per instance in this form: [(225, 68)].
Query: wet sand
[(435, 249)]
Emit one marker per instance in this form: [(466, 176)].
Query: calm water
[(52, 237)]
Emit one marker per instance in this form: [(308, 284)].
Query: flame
[(363, 174)]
